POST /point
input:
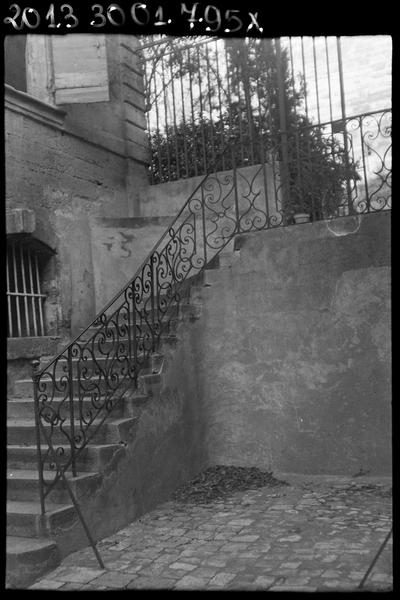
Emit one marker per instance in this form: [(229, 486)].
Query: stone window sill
[(28, 105)]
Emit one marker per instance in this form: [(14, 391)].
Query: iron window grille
[(24, 295)]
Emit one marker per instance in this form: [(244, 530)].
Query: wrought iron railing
[(76, 392), (203, 92)]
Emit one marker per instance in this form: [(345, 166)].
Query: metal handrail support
[(61, 470)]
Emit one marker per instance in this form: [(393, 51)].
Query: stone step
[(93, 458), (142, 330), (99, 365), (23, 432), (25, 519), (28, 559), (84, 386), (23, 408), (23, 486), (165, 319)]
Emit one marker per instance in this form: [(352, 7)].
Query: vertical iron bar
[(203, 216), (220, 106), (341, 82), (17, 290), (230, 134), (164, 92), (152, 300), (159, 153), (35, 365), (39, 298), (262, 151), (272, 130), (237, 212), (330, 104), (282, 122), (296, 132), (247, 93), (185, 150), (292, 66), (304, 76), (201, 114), (10, 326), (385, 541), (343, 107), (178, 173), (299, 161), (293, 76), (329, 78), (147, 88), (35, 328), (311, 178), (28, 327), (239, 114), (193, 119), (364, 167), (71, 495), (228, 87), (316, 79), (133, 333), (71, 410), (210, 106)]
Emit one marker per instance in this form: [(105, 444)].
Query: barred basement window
[(24, 296)]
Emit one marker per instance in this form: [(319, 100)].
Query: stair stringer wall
[(292, 350), (160, 450)]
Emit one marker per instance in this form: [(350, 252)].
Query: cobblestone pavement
[(317, 534)]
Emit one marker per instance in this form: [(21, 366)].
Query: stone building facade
[(73, 154)]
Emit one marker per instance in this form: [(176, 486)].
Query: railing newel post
[(367, 200), (71, 409), (153, 297), (203, 217)]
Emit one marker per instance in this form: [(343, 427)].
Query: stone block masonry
[(69, 163)]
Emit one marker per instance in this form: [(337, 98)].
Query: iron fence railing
[(76, 392), (205, 93)]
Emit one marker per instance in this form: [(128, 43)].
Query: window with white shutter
[(80, 68), (67, 69)]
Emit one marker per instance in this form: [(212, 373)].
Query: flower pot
[(301, 218)]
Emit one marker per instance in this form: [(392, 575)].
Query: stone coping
[(28, 105)]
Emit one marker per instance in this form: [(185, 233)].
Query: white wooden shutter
[(80, 68)]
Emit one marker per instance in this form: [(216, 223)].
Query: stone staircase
[(37, 543)]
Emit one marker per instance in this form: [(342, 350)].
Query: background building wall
[(70, 163), (367, 76), (66, 165)]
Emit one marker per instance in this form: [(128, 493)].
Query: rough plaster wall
[(119, 247), (294, 350), (164, 199), (367, 72), (90, 168), (65, 181)]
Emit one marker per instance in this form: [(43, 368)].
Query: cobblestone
[(316, 534)]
